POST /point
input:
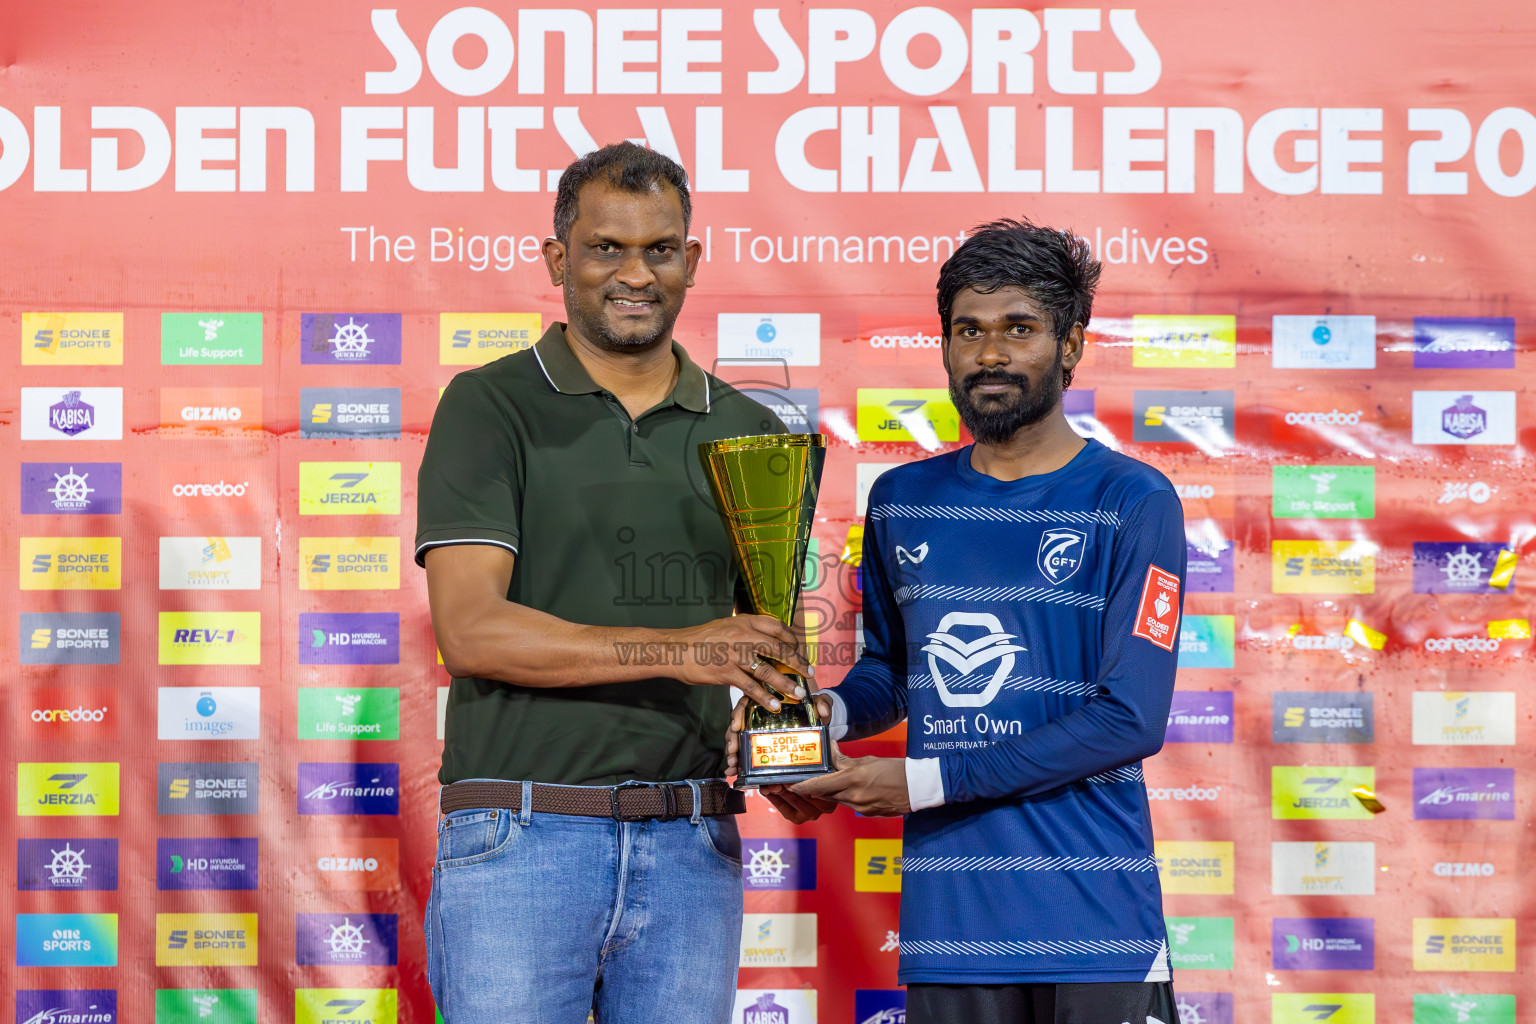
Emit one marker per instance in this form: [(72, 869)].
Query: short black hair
[(1056, 267), (625, 166)]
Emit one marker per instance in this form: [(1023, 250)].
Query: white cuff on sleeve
[(837, 727), (925, 783)]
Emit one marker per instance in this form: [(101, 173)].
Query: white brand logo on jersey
[(966, 656), (915, 556), (1061, 553)]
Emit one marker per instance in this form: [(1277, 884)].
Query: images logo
[(1324, 943), (349, 788), (470, 339), (210, 638), (1323, 1008), (349, 339), (205, 940), (349, 488), (210, 713), (346, 939), (1323, 869), (349, 638), (70, 638), (71, 339), (877, 865), (1318, 717), (779, 339), (71, 414), (778, 940), (210, 563), (1319, 793), (1200, 943), (921, 415), (210, 409), (1207, 641), (1467, 1008), (205, 1006), (1200, 716), (1462, 567), (210, 339), (71, 563), (1464, 793), (66, 940), (344, 1006), (1204, 419), (1323, 567), (1451, 417), (349, 563), (349, 412), (72, 789), (1183, 342), (1456, 719), (778, 865), (208, 787), (1463, 343), (332, 713), (1323, 342), (1324, 492), (1203, 868), (352, 865), (183, 864), (71, 488), (66, 865), (66, 1006), (1463, 944)]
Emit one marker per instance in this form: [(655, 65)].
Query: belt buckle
[(669, 801)]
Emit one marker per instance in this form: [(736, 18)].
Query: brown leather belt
[(629, 801)]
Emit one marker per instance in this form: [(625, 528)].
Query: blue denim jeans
[(539, 918)]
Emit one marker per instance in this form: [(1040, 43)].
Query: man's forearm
[(526, 647)]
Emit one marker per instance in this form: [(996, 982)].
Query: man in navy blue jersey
[(1021, 612)]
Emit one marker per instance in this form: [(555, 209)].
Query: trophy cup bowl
[(765, 491)]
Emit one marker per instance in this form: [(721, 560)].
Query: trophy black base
[(781, 757)]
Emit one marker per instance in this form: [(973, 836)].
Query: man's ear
[(1072, 347), (554, 260), (693, 251)]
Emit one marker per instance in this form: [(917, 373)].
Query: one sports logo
[(966, 656)]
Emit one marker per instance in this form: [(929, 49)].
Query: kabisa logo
[(1322, 793), (349, 412), (71, 563), (367, 713), (71, 488), (1183, 342), (1323, 342), (970, 658), (1323, 717), (348, 788), (205, 1006), (1323, 567), (70, 638), (1195, 867), (71, 414), (1463, 567), (210, 339), (1451, 417), (345, 939), (469, 339), (66, 1006), (349, 563), (186, 863), (1472, 343), (66, 865), (1324, 943), (1200, 943), (1061, 553), (349, 488), (349, 638), (66, 940), (210, 713), (210, 638), (345, 1006), (58, 789), (779, 339), (882, 1006), (205, 940), (1452, 718), (778, 865), (925, 416), (877, 865), (349, 339), (1200, 716), (1463, 944), (213, 787), (1464, 793), (765, 1010)]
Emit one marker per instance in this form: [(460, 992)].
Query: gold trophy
[(765, 491)]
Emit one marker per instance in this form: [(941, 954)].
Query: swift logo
[(914, 556), (1061, 553), (967, 656)]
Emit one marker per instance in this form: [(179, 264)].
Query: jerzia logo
[(1061, 553), (966, 657)]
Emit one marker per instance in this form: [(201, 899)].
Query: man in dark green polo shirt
[(581, 587)]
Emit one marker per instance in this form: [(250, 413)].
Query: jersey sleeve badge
[(1157, 614)]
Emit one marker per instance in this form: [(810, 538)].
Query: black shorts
[(1114, 1002)]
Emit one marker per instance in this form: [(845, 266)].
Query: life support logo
[(967, 656), (1061, 553)]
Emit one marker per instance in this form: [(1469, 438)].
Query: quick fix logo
[(205, 1006), (349, 638), (66, 940), (71, 563), (210, 638), (69, 713), (66, 1006), (1467, 1008), (1320, 717), (346, 939), (1323, 1008), (775, 339), (1207, 641), (66, 789), (349, 339), (1323, 492), (220, 410), (66, 865), (336, 713), (349, 412), (345, 1006), (71, 414), (1464, 794), (778, 940), (1463, 944), (778, 865), (1200, 716), (224, 864), (1463, 417), (1201, 418), (899, 341), (226, 490), (1195, 868), (1458, 719), (1323, 869), (1463, 567), (925, 416), (349, 563), (349, 788), (1183, 342), (1323, 342), (1200, 943), (208, 787), (470, 339), (71, 339), (877, 865), (342, 864), (210, 563), (349, 488), (71, 488), (210, 339), (205, 940), (210, 713), (1322, 567), (1463, 343), (1157, 614), (1324, 943), (1325, 793), (1203, 1007)]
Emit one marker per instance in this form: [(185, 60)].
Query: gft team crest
[(967, 656), (1061, 553)]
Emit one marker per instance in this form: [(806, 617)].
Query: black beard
[(595, 328), (994, 420)]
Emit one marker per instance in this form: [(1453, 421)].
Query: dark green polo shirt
[(612, 525)]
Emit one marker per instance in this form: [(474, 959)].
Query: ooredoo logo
[(223, 488), (1461, 644), (1332, 418), (78, 714), (218, 490), (1195, 793)]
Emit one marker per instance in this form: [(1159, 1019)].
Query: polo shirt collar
[(566, 374)]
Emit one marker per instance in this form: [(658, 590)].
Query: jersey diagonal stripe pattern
[(1078, 947), (940, 592), (1128, 773), (1096, 517), (912, 864), (1042, 684)]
